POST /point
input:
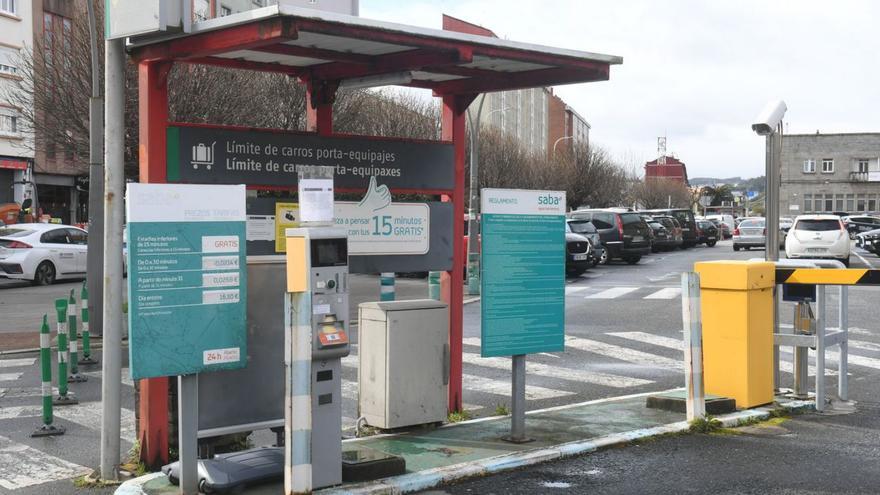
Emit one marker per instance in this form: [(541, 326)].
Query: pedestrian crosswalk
[(653, 292), (594, 365)]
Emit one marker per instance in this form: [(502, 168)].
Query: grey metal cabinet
[(403, 374)]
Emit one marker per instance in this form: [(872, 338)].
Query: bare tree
[(660, 193)]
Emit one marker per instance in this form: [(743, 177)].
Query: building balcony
[(871, 176)]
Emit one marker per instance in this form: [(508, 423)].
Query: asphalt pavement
[(623, 337)]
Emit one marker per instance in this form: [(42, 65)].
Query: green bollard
[(434, 285), (63, 399), (47, 429), (87, 339), (72, 331)]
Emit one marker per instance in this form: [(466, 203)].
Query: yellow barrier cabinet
[(737, 312)]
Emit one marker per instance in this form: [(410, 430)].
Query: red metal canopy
[(327, 50), (317, 45)]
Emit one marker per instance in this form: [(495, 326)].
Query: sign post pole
[(518, 401), (523, 283), (188, 424)]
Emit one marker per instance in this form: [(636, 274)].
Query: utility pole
[(94, 267), (114, 182)]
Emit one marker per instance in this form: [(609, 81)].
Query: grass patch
[(91, 481), (502, 410), (458, 416), (706, 424), (133, 463)]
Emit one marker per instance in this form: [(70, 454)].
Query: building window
[(829, 202), (860, 204), (809, 166), (56, 40), (8, 124), (872, 203), (827, 166), (225, 11), (850, 202), (8, 61), (808, 203), (863, 166), (8, 7)]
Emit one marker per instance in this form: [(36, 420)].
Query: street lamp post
[(563, 138), (473, 244)]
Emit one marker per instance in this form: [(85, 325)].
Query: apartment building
[(823, 173), (16, 153)]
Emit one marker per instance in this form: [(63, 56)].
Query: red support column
[(452, 283), (153, 120), (319, 106)]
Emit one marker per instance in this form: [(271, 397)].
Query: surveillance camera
[(769, 118)]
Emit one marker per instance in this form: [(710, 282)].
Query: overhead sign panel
[(187, 279), (219, 155), (523, 278), (124, 18)]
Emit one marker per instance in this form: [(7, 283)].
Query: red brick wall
[(557, 125)]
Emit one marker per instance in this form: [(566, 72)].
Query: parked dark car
[(663, 239), (707, 233), (588, 230), (855, 225), (623, 233), (674, 229), (578, 254), (688, 223), (869, 241)]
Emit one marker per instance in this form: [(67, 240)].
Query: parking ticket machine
[(325, 270)]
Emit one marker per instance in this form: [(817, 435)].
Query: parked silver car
[(750, 233)]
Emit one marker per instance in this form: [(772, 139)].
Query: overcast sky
[(697, 71)]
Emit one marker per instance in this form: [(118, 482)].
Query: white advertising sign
[(397, 228)]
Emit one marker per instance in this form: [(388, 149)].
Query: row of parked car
[(627, 235)]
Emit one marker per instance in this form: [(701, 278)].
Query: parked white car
[(42, 252), (818, 236)]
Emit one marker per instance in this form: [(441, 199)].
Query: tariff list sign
[(523, 278), (186, 279)]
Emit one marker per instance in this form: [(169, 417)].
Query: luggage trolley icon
[(202, 154)]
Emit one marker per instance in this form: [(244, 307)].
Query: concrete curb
[(136, 486), (432, 478)]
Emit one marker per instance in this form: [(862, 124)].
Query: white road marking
[(678, 345), (18, 393), (649, 338), (13, 412), (624, 354), (89, 414), (126, 376), (576, 289), (612, 293), (667, 293), (22, 466), (864, 260), (502, 387), (14, 363), (9, 377), (547, 371)]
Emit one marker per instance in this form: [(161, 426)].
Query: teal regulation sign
[(187, 279), (523, 272)]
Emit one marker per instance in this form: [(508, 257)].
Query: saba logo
[(547, 199)]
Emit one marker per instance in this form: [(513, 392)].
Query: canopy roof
[(323, 46)]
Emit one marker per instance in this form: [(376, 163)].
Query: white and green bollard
[(86, 336), (72, 331), (434, 285), (47, 429), (386, 286), (63, 398)]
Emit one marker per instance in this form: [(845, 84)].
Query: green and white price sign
[(523, 277), (187, 278)]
